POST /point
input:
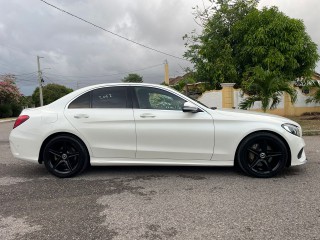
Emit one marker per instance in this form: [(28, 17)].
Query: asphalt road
[(158, 202)]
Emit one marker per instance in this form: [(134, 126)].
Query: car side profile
[(146, 124)]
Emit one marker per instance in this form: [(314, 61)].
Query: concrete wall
[(229, 97), (212, 98)]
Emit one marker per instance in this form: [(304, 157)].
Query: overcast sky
[(77, 54)]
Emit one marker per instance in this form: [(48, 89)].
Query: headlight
[(295, 130)]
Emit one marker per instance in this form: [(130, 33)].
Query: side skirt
[(156, 162)]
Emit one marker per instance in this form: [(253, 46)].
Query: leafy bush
[(5, 110), (16, 110)]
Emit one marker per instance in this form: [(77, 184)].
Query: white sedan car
[(145, 124)]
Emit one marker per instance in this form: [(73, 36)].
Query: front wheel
[(262, 155), (65, 156)]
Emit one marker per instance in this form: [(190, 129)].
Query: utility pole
[(40, 81), (166, 72)]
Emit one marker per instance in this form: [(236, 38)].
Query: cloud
[(73, 48)]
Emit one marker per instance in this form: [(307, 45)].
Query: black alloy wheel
[(262, 155), (65, 156)]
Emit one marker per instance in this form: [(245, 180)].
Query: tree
[(265, 86), (9, 92), (51, 92), (271, 44), (211, 52), (133, 77), (10, 97), (245, 45), (26, 101)]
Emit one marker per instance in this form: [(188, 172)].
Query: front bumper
[(298, 155)]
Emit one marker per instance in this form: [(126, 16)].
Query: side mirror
[(190, 107)]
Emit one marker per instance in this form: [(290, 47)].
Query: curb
[(7, 120)]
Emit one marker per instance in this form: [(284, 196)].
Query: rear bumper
[(24, 147)]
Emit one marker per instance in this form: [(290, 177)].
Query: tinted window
[(109, 97), (81, 102), (153, 98)]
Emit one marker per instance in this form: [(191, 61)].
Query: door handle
[(147, 115), (81, 116)]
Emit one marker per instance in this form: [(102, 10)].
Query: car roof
[(126, 84), (62, 102)]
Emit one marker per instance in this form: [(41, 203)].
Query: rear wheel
[(262, 155), (65, 156)]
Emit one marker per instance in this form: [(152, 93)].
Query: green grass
[(310, 124)]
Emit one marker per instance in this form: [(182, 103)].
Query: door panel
[(106, 123), (164, 131), (110, 133), (166, 134)]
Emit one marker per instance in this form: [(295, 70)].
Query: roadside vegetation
[(261, 50), (133, 78), (310, 123), (10, 97), (12, 101), (51, 92)]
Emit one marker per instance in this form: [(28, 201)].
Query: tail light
[(21, 119)]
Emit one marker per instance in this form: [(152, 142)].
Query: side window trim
[(134, 99), (129, 97), (90, 94)]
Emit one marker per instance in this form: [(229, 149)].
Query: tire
[(65, 156), (262, 155)]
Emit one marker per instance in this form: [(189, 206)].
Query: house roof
[(176, 80), (316, 76)]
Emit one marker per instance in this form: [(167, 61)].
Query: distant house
[(176, 80), (300, 83), (316, 76)]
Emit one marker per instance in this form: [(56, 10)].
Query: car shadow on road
[(161, 170), (192, 172)]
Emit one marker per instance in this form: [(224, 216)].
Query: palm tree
[(316, 95), (267, 87)]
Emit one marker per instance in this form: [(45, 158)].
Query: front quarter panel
[(230, 132)]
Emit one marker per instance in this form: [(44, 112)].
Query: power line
[(106, 75), (30, 78), (20, 74), (48, 79), (115, 34), (26, 83)]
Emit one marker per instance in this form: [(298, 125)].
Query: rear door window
[(81, 102), (107, 97)]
